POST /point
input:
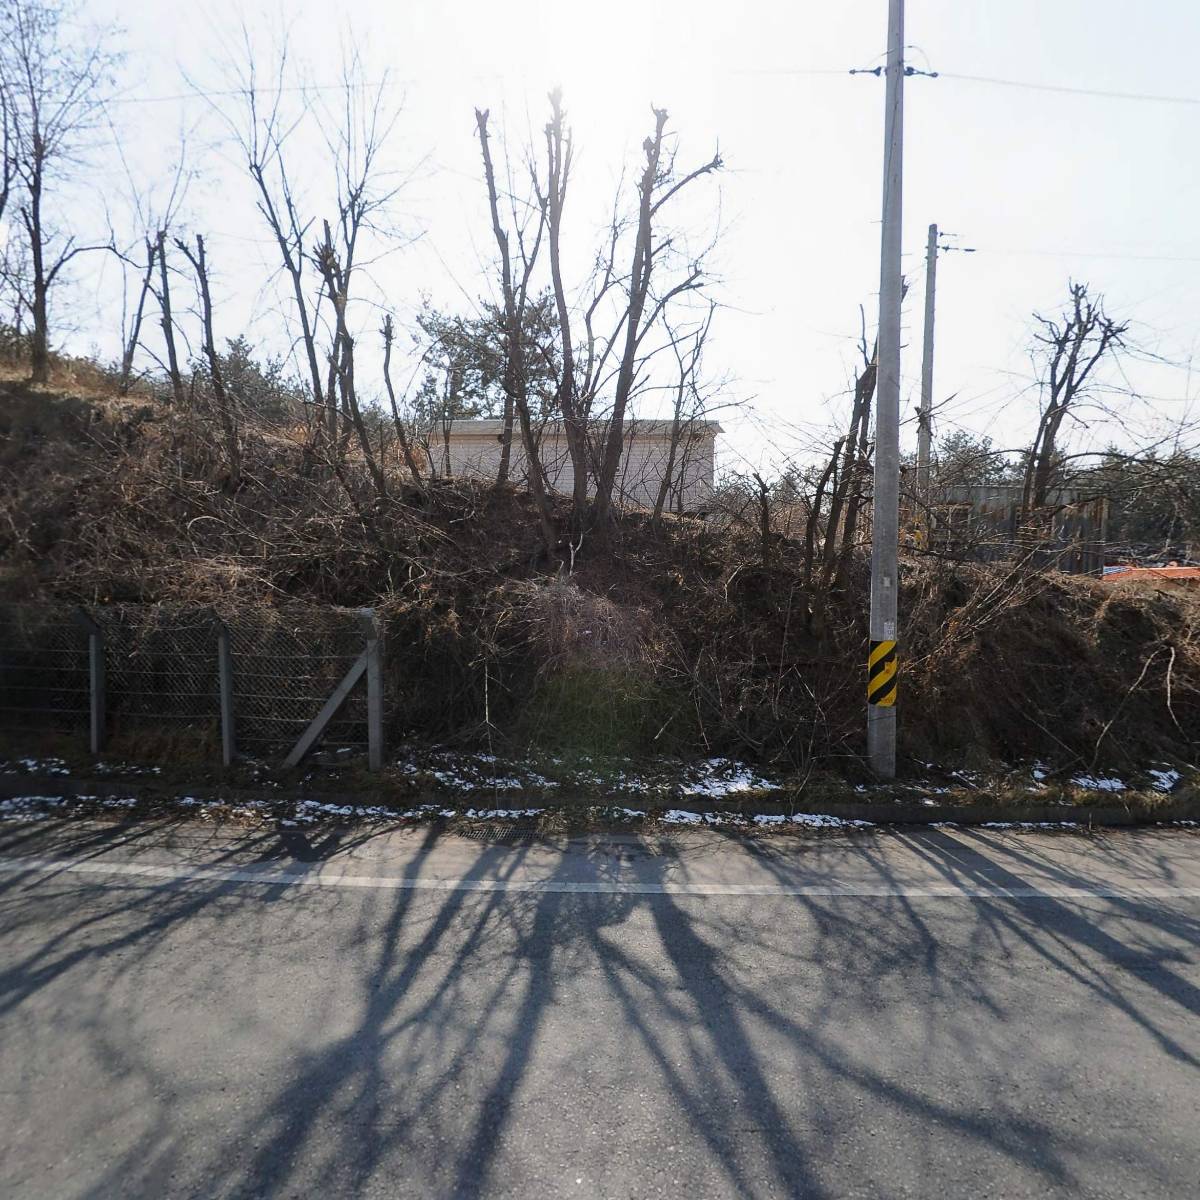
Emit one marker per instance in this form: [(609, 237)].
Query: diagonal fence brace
[(309, 737)]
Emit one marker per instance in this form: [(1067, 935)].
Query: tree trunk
[(306, 334), (233, 448), (664, 488), (336, 283), (40, 344), (135, 332), (764, 518), (506, 433), (845, 497), (814, 515), (516, 398), (639, 287), (168, 325), (409, 460), (574, 420)]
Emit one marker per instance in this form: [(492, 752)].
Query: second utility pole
[(885, 528), (925, 420)]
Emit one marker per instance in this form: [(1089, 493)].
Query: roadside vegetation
[(302, 462), (682, 636)]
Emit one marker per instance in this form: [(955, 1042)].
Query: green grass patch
[(598, 713)]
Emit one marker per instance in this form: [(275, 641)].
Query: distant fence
[(272, 683)]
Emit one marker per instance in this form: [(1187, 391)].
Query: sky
[(1045, 185)]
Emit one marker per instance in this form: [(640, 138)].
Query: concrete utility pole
[(881, 661), (925, 422)]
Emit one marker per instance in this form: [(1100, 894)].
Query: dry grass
[(569, 627)]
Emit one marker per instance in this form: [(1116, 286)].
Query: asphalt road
[(186, 1012)]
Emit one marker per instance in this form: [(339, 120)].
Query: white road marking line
[(320, 877)]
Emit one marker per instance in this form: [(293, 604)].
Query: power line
[(288, 89), (788, 71), (995, 81), (1070, 91), (230, 93), (1004, 251)]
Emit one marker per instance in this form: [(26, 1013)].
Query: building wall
[(985, 523), (476, 454)]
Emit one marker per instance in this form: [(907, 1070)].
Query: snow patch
[(501, 814), (36, 766), (1164, 780), (1098, 783), (717, 778), (825, 821), (1030, 825), (464, 772), (123, 768), (30, 808), (679, 816)]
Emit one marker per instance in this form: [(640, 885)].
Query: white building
[(471, 449)]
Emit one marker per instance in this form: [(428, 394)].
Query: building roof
[(493, 427), (1185, 574)]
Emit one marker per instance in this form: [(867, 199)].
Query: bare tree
[(262, 131), (337, 282), (515, 293), (657, 186), (355, 120), (54, 87), (1071, 345), (153, 227), (135, 327), (167, 320), (850, 478), (833, 491), (7, 149), (688, 351), (221, 397), (570, 402), (389, 333)]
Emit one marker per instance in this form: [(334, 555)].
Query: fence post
[(225, 677), (95, 679), (374, 655)]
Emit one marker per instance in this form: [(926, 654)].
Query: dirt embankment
[(672, 638)]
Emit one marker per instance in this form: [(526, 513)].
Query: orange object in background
[(1172, 572)]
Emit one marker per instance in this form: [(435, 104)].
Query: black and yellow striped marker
[(881, 674)]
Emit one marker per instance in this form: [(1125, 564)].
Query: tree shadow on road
[(491, 1042)]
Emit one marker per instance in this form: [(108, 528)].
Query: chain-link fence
[(158, 670), (160, 667), (44, 675), (285, 666)]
